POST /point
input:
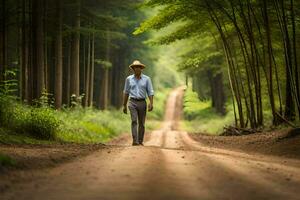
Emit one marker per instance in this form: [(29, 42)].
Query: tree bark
[(58, 56), (38, 48), (24, 54), (91, 87), (87, 74), (74, 71)]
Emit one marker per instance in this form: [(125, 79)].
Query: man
[(137, 86)]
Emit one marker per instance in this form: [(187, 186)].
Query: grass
[(6, 161), (90, 125), (8, 136), (200, 117), (21, 123)]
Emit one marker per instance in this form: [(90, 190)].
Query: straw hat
[(137, 63)]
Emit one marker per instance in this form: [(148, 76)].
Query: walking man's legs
[(134, 117), (142, 109), (138, 111)]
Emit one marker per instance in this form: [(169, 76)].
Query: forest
[(68, 56), (223, 123), (66, 49), (237, 55), (245, 50)]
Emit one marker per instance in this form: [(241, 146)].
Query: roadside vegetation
[(6, 161), (40, 124), (201, 117)]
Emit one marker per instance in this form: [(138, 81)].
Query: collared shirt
[(138, 88)]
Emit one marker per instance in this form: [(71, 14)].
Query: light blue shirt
[(138, 88)]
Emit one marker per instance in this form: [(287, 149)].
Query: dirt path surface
[(171, 165)]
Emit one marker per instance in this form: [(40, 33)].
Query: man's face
[(137, 69)]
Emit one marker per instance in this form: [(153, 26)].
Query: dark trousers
[(138, 111)]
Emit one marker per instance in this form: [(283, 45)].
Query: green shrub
[(87, 125), (42, 123), (200, 117), (38, 122), (193, 108)]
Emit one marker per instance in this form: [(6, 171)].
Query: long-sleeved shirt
[(138, 88)]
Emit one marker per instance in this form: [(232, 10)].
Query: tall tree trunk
[(38, 48), (219, 93), (58, 56), (24, 54), (270, 62), (289, 100), (295, 56), (68, 74), (3, 40), (105, 97), (87, 74), (230, 62), (74, 71), (47, 74), (30, 56), (91, 87)]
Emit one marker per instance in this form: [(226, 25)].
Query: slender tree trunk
[(270, 61), (294, 36), (106, 75), (58, 56), (38, 48), (30, 56), (24, 54), (91, 87), (88, 76), (68, 74), (47, 76), (230, 62), (289, 101), (3, 40), (74, 71)]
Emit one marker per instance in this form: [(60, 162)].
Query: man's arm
[(125, 95), (150, 106), (150, 92), (125, 99)]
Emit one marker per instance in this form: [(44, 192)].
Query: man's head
[(137, 67)]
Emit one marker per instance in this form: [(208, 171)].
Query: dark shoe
[(141, 144), (135, 144)]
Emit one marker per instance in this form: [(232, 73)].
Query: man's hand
[(150, 107), (125, 109)]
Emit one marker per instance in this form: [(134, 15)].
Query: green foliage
[(181, 32), (39, 122), (200, 117), (105, 64), (91, 126), (167, 15), (45, 100), (20, 123), (76, 102), (193, 107), (9, 136), (9, 85)]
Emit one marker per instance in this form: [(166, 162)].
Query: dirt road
[(171, 165)]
